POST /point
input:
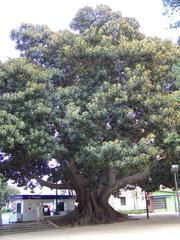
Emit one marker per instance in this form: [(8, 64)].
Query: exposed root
[(89, 217)]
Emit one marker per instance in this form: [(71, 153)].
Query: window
[(123, 201), (160, 203), (18, 207), (61, 206)]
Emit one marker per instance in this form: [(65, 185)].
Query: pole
[(1, 199), (56, 201), (177, 194), (147, 209)]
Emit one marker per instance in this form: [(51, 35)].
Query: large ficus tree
[(98, 100)]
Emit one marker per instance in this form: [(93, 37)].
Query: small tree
[(8, 192), (100, 101)]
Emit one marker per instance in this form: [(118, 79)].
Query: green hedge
[(7, 210), (138, 211)]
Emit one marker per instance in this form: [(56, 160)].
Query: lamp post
[(57, 212), (147, 205), (147, 200), (174, 170), (0, 200), (53, 175)]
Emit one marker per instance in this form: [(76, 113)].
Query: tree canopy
[(101, 101)]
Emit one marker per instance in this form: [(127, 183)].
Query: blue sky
[(57, 15)]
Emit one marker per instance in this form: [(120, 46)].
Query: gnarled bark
[(91, 210), (93, 206)]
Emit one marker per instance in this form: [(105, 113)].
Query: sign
[(49, 197)]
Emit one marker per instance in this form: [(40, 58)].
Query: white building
[(129, 200), (30, 207)]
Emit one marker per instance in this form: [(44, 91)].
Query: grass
[(137, 211)]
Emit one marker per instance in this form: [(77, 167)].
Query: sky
[(57, 14)]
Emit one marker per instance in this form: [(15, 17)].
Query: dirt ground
[(158, 227)]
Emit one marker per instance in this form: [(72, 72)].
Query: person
[(46, 210)]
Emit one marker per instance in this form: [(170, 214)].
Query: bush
[(137, 211), (7, 210)]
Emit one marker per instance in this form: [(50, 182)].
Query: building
[(163, 201), (33, 207), (129, 200)]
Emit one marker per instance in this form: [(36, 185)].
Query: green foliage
[(7, 210), (88, 17), (137, 211), (28, 37), (99, 98), (176, 73), (6, 191)]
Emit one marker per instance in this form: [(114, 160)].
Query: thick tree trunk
[(93, 206), (91, 210)]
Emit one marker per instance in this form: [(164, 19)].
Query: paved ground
[(158, 227)]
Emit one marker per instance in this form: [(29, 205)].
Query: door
[(61, 206), (18, 210)]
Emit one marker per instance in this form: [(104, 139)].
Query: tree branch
[(52, 185), (77, 176), (108, 180), (108, 177), (132, 179)]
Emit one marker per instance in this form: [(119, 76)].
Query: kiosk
[(33, 207)]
